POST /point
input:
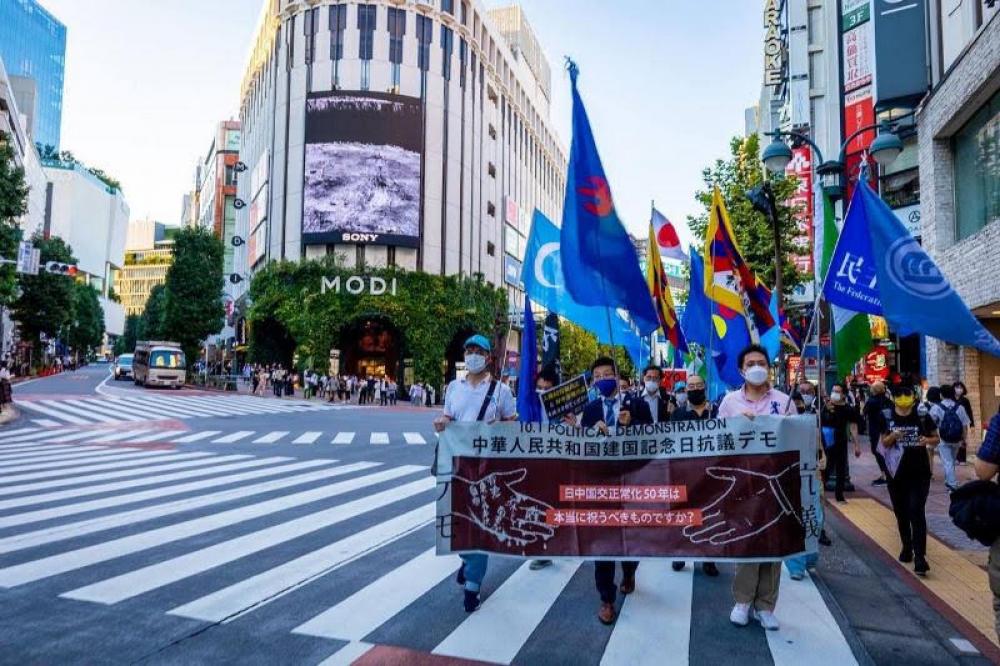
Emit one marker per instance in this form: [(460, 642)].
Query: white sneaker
[(766, 619), (740, 615)]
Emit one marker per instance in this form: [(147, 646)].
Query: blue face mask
[(607, 387)]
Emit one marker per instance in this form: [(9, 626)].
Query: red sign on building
[(802, 168)]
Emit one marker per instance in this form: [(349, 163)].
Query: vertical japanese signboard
[(802, 202), (859, 107)]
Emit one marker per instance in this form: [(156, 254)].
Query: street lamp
[(776, 156), (886, 148)]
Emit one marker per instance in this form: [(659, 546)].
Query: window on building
[(359, 256), (390, 256), (463, 60), (309, 28), (424, 38), (491, 249), (366, 74), (397, 28), (977, 179), (366, 28), (447, 38), (465, 13), (338, 22), (492, 169), (901, 189), (493, 132), (491, 210), (448, 6), (290, 44), (230, 176)]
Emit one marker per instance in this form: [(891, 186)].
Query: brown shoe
[(607, 613), (628, 585)]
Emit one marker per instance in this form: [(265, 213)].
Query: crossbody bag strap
[(486, 401)]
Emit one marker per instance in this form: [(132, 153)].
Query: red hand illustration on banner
[(753, 502), (495, 507)]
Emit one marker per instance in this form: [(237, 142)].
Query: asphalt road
[(178, 527)]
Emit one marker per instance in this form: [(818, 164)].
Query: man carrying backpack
[(953, 429), (987, 463)]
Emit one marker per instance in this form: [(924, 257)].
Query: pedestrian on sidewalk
[(953, 430), (904, 440), (697, 408), (962, 398), (837, 419), (877, 408), (393, 388), (478, 397), (610, 409), (931, 406), (6, 392), (987, 464), (755, 587)]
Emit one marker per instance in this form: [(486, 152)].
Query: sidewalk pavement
[(957, 585)]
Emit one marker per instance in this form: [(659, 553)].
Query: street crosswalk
[(147, 406), (341, 554), (77, 438)]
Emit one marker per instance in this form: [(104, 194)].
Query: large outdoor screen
[(362, 169)]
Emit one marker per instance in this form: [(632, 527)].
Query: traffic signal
[(60, 268)]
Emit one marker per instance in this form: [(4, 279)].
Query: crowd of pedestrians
[(275, 379)]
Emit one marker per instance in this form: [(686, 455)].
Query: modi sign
[(723, 489)]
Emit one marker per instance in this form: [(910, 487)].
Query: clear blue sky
[(665, 83)]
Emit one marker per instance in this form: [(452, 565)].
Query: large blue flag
[(528, 408), (599, 259), (544, 283), (879, 268)]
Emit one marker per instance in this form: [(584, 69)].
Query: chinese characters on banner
[(723, 489), (802, 201), (567, 398)]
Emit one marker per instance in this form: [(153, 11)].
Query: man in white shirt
[(478, 397)]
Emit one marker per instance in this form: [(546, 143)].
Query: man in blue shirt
[(987, 464)]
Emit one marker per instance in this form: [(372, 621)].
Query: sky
[(665, 83)]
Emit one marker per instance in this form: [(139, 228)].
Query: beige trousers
[(757, 584)]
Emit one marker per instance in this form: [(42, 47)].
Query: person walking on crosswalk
[(755, 587), (477, 397)]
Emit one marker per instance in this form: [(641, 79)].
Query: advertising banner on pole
[(724, 489)]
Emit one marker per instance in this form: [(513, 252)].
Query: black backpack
[(951, 426), (975, 509)]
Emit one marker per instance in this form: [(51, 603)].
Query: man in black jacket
[(607, 411), (877, 408)]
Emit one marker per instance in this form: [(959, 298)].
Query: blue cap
[(479, 341), (679, 385)]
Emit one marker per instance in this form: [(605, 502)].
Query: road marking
[(165, 434), (263, 588), (205, 434), (229, 600), (21, 431), (414, 438), (343, 438), (71, 459), (47, 411), (100, 408), (271, 437), (655, 620), (116, 436), (347, 655), (133, 460), (379, 438), (234, 437), (72, 436), (72, 560), (498, 630), (44, 453), (372, 606), (963, 645), (67, 408), (307, 438), (46, 423)]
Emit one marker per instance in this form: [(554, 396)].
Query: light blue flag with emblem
[(879, 268), (542, 275)]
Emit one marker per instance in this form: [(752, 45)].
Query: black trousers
[(879, 458), (909, 497), (604, 576), (836, 463)]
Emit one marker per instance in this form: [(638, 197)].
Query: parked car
[(123, 367)]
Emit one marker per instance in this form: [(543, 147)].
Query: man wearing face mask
[(808, 393), (697, 408), (609, 410), (837, 419), (755, 586), (478, 397), (654, 397)]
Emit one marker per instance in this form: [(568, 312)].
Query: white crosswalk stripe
[(46, 423), (307, 437), (233, 437), (271, 437), (414, 438), (197, 437), (343, 438), (379, 438)]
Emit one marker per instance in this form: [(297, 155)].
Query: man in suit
[(659, 403), (607, 411)]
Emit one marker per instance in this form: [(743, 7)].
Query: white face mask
[(652, 387), (682, 399), (808, 399), (755, 375), (959, 391), (836, 396), (475, 363)]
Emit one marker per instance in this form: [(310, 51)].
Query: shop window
[(901, 189), (976, 151), (491, 249)]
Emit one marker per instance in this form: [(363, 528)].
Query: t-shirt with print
[(915, 463)]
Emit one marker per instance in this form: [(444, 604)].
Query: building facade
[(404, 133), (33, 46), (216, 191), (93, 220), (143, 270), (959, 130)]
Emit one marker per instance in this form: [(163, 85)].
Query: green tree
[(742, 171), (45, 304), (152, 323), (85, 331), (13, 204), (578, 348), (194, 308)]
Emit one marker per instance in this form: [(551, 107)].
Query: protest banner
[(568, 398), (722, 489)]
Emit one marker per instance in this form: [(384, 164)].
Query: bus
[(158, 363)]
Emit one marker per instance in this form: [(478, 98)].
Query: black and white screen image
[(362, 169)]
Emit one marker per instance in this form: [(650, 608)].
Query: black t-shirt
[(688, 414), (839, 417), (915, 464)]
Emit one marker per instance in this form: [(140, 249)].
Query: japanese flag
[(667, 239)]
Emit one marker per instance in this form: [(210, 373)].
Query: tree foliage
[(578, 348), (45, 304), (48, 152), (85, 331), (13, 204), (152, 323), (193, 288), (734, 176), (288, 309)]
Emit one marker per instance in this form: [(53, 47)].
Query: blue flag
[(599, 259), (697, 322), (771, 338), (544, 283), (852, 279), (916, 297), (529, 410)]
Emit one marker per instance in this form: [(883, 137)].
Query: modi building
[(394, 135)]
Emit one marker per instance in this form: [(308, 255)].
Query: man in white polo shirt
[(478, 397)]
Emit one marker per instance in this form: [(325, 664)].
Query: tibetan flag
[(659, 289), (667, 238), (729, 280)]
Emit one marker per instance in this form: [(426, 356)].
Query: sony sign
[(359, 284), (774, 68)]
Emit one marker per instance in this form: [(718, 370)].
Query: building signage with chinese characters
[(802, 201), (774, 49), (858, 56)]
